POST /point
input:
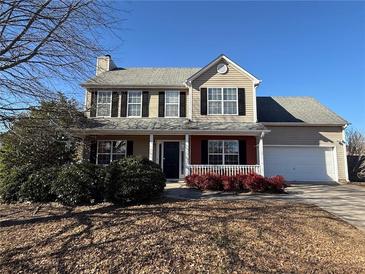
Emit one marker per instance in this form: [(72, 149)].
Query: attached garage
[(301, 163)]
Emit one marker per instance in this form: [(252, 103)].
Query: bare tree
[(45, 42), (356, 142), (356, 154)]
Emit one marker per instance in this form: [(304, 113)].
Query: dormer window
[(222, 101), (104, 103)]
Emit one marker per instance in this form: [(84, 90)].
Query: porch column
[(150, 151), (186, 154), (261, 154)]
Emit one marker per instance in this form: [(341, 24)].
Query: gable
[(213, 65)]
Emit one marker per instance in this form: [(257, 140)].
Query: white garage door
[(300, 163)]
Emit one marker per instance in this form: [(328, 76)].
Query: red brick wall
[(196, 151)]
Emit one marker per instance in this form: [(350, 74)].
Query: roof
[(143, 76), (167, 124), (288, 109)]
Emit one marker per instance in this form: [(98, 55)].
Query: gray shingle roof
[(295, 109), (167, 124), (142, 77)]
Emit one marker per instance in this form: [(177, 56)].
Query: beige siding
[(310, 136), (233, 78), (153, 102)]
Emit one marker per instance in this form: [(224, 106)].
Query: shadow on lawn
[(169, 225)]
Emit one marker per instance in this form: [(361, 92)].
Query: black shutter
[(204, 152), (115, 104), (145, 103), (241, 101), (93, 148), (123, 104), (161, 104), (129, 148), (203, 101), (182, 104), (93, 104), (242, 152)]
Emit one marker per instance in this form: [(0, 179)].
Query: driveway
[(345, 201)]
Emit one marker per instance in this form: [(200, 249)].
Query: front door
[(171, 159)]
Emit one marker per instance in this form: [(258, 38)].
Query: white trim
[(167, 132), (140, 111), (214, 62), (299, 124), (222, 101), (345, 154), (320, 145), (335, 164), (254, 103), (150, 150), (97, 103), (223, 153), (261, 154), (190, 116), (178, 103), (187, 154), (111, 149)]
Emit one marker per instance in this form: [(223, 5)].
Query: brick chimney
[(104, 63)]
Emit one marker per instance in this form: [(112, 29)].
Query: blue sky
[(297, 48)]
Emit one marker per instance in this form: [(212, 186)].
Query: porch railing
[(226, 170)]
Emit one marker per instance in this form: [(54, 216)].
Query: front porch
[(182, 155)]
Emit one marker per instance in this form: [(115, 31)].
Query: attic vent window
[(222, 68)]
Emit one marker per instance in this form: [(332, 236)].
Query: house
[(199, 120)]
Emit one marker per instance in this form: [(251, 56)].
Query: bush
[(240, 182), (11, 182), (38, 186), (81, 183), (133, 179)]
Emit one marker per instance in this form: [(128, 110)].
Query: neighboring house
[(198, 120)]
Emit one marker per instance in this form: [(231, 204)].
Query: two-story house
[(198, 120)]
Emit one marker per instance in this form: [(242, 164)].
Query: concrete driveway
[(345, 201)]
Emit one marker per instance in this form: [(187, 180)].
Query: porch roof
[(167, 125)]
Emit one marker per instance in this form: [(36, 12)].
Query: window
[(223, 152), (134, 103), (222, 101), (172, 103), (108, 151), (104, 103)]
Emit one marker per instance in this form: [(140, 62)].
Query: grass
[(178, 236)]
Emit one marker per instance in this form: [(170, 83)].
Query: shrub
[(211, 182), (81, 183), (276, 184), (11, 182), (133, 179), (38, 186), (255, 183), (241, 182)]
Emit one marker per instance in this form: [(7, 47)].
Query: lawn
[(179, 236)]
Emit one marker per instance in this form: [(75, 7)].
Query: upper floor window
[(172, 104), (108, 151), (222, 101), (223, 152), (134, 108), (104, 103)]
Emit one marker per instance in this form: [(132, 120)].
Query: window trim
[(97, 102), (223, 153), (111, 150), (222, 101), (140, 110), (178, 103)]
